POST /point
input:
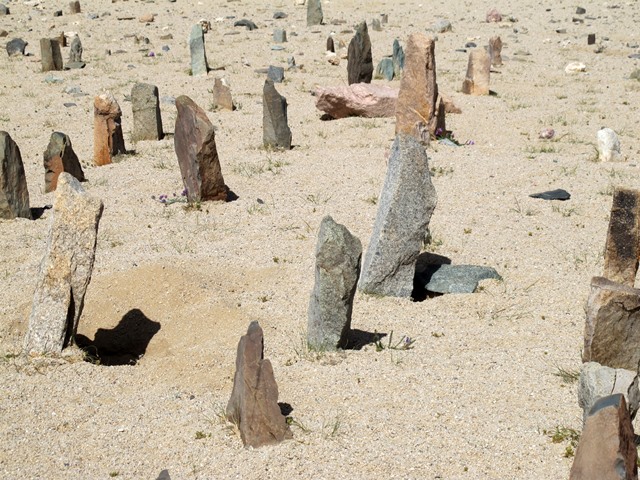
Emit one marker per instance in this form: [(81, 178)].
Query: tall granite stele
[(147, 121), (108, 140), (59, 157), (314, 12), (360, 61), (14, 194), (275, 124), (199, 64), (402, 223), (65, 270), (338, 254)]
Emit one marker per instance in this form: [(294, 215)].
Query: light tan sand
[(474, 396)]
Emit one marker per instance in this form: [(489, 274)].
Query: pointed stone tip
[(610, 401)]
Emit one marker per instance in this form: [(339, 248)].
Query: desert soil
[(476, 394)]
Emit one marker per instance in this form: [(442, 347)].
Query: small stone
[(330, 45), (277, 47), (246, 23), (547, 133), (51, 54), (495, 51), (493, 16), (478, 72), (222, 95), (74, 7), (575, 67), (14, 194), (75, 52), (275, 74), (57, 13), (384, 69), (108, 140), (4, 10), (558, 194), (279, 35), (199, 64), (470, 45), (279, 15), (360, 63), (146, 18), (275, 127), (59, 157), (384, 18), (591, 39), (608, 146), (442, 26), (357, 100), (580, 11), (454, 278), (147, 121), (16, 47), (314, 12), (291, 63), (3, 33), (164, 474), (375, 25)]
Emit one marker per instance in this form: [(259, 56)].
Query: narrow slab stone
[(478, 70), (495, 51), (420, 111), (65, 270), (147, 120), (557, 194), (314, 12), (222, 98), (75, 51), (199, 64), (108, 140), (59, 157), (74, 7), (385, 69), (357, 100), (360, 61), (253, 405), (622, 250), (455, 278), (398, 58), (14, 194), (607, 449), (407, 201), (612, 327), (279, 35), (330, 44), (338, 255), (275, 126), (51, 56), (195, 145)]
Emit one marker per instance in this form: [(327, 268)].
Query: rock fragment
[(14, 194), (59, 157)]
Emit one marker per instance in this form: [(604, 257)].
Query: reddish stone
[(478, 70), (107, 130), (357, 100)]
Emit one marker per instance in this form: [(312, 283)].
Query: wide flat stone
[(455, 278)]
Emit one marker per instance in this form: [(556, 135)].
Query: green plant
[(373, 199), (405, 343), (114, 474), (297, 423), (332, 429), (567, 376), (564, 434), (200, 435)]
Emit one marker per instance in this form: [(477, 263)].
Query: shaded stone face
[(75, 52), (108, 140), (147, 121), (495, 51), (478, 71), (51, 56), (222, 98), (275, 125), (59, 157), (360, 61), (14, 194)]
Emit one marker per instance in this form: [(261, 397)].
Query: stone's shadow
[(124, 344), (231, 196), (285, 408), (37, 212), (359, 339), (422, 277)]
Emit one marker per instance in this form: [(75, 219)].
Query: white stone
[(608, 145), (575, 67)]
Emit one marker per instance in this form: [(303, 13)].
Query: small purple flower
[(184, 192), (151, 54), (438, 131), (470, 142)]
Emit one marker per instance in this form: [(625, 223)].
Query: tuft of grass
[(297, 423), (405, 343), (332, 429), (201, 435), (564, 434), (567, 376)]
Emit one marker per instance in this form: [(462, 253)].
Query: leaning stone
[(338, 255), (65, 270), (385, 69), (357, 100), (597, 381), (222, 95), (314, 12), (478, 70), (199, 64), (145, 104), (253, 405), (455, 278), (14, 195), (360, 62), (195, 145), (622, 250), (608, 145), (275, 126), (16, 47), (612, 327), (74, 7), (75, 52), (275, 74), (607, 449), (51, 54), (495, 51), (107, 130), (60, 157), (420, 111), (398, 58), (407, 201)]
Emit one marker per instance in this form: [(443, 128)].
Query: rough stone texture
[(279, 35), (222, 98), (419, 107), (398, 58), (65, 270), (195, 145), (385, 69), (495, 51), (145, 103), (612, 327), (407, 201), (75, 51), (275, 126), (107, 130), (199, 64), (74, 7), (314, 12), (608, 145), (338, 255), (622, 249), (493, 16), (275, 74), (59, 157), (455, 278), (51, 56), (358, 100), (14, 195), (597, 381), (16, 47), (360, 61), (607, 450), (442, 25), (253, 405), (478, 70)]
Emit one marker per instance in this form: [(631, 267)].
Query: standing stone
[(338, 255), (75, 52), (402, 223), (607, 450), (330, 44), (608, 145), (612, 326), (385, 69), (398, 58), (195, 145), (314, 12), (375, 25), (74, 7), (495, 51), (253, 405), (51, 54), (198, 54), (107, 130), (420, 110), (65, 270), (275, 74), (16, 47), (275, 126), (279, 35), (360, 61), (478, 69), (222, 95), (147, 122), (622, 250), (60, 157), (14, 195)]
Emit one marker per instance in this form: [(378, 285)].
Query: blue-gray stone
[(398, 58), (198, 55), (275, 126), (314, 12), (164, 475), (16, 47), (279, 35), (385, 69), (558, 194), (277, 47), (276, 74), (455, 278), (279, 15), (605, 402), (245, 23), (441, 26)]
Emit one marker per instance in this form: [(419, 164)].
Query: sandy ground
[(474, 396)]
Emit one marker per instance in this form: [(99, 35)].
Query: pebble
[(575, 67)]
